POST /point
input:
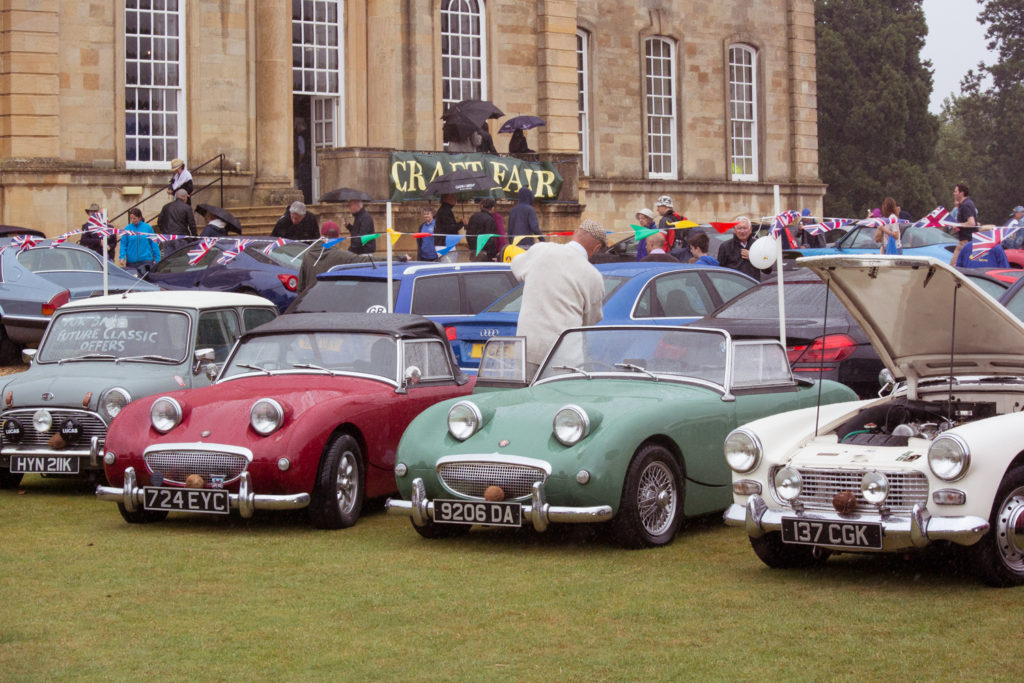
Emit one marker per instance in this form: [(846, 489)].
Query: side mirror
[(211, 370), (201, 356), (413, 374), (27, 355)]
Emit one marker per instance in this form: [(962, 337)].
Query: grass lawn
[(84, 595)]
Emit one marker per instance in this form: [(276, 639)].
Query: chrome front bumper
[(245, 501), (537, 511), (916, 530)]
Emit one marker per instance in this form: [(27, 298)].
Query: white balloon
[(763, 253)]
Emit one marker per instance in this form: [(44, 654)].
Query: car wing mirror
[(200, 357), (211, 370), (27, 355), (886, 381)]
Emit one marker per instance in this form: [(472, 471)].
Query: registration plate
[(841, 534), (477, 351), (45, 464), (210, 501), (478, 512)]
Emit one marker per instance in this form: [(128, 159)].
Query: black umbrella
[(521, 123), (466, 117), (461, 181), (220, 212), (346, 194)]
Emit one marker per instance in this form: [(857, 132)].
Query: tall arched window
[(659, 85), (742, 112), (154, 73), (463, 67), (583, 87)]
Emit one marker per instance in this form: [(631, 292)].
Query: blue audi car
[(635, 293)]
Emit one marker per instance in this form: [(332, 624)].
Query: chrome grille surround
[(177, 461), (91, 423), (470, 475), (819, 486)]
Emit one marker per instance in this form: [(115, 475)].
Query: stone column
[(29, 80), (274, 128), (557, 89), (803, 91)]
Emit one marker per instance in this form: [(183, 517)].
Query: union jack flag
[(782, 220), (24, 242), (935, 219), (984, 242), (279, 242), (156, 237), (826, 226), (202, 249), (57, 241), (231, 254), (98, 224)]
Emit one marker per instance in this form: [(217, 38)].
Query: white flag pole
[(387, 238), (778, 267), (106, 268)]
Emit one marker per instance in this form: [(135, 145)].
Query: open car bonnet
[(906, 304)]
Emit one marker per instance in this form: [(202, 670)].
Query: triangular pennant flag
[(369, 238), (450, 242), (337, 240), (642, 233), (723, 227), (395, 236), (685, 223), (481, 241)]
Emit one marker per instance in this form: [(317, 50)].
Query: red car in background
[(306, 413)]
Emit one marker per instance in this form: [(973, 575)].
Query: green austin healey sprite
[(621, 425)]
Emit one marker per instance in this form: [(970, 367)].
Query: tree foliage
[(876, 137), (981, 141)]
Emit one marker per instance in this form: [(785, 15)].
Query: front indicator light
[(582, 477), (949, 497), (787, 483), (746, 487), (109, 458), (283, 464), (401, 469)]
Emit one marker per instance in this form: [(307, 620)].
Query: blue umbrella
[(521, 123)]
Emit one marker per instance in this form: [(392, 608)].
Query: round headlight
[(266, 416), (464, 419), (113, 400), (787, 483), (570, 425), (165, 414), (949, 457), (42, 421), (742, 451), (874, 486)]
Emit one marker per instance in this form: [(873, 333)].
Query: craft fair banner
[(411, 172)]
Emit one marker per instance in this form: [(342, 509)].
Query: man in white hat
[(645, 218), (181, 180), (1015, 217), (561, 289)]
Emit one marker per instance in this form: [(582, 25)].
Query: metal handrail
[(219, 179)]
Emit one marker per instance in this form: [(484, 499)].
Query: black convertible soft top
[(398, 325)]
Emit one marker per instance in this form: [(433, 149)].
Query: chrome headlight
[(788, 483), (113, 400), (742, 451), (949, 457), (42, 421), (266, 416), (165, 414), (874, 486), (571, 424), (464, 419)]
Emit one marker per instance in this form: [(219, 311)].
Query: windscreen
[(120, 334)]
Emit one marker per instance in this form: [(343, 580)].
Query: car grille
[(472, 478), (906, 488), (90, 423), (178, 464)]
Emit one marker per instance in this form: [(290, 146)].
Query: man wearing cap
[(561, 289), (1015, 217), (320, 258), (91, 239), (362, 224), (181, 180), (177, 218), (297, 224), (668, 215)]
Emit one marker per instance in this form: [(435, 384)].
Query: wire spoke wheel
[(651, 508), (657, 498)]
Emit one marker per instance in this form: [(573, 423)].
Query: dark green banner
[(411, 172)]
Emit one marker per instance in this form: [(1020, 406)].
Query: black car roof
[(400, 325)]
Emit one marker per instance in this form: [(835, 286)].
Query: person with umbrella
[(516, 125), (137, 250), (362, 224), (219, 221), (486, 145), (445, 224), (297, 224)]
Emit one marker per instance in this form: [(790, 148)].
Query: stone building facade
[(710, 101)]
